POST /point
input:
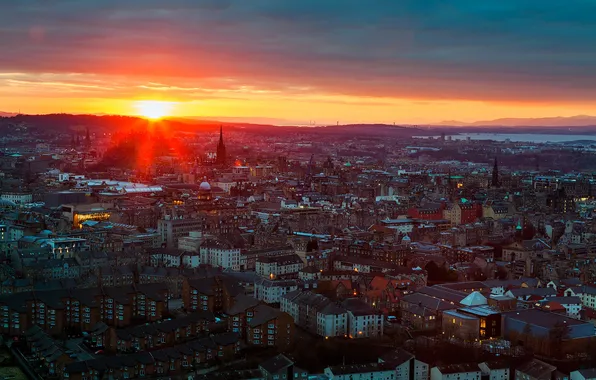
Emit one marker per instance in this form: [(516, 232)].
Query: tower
[(495, 181), (221, 149)]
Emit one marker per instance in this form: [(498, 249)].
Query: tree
[(527, 335), (558, 334)]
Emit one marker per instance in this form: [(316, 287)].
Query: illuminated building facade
[(99, 216)]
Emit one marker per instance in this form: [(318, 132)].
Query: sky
[(301, 61)]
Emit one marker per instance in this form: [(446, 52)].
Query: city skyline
[(413, 62)]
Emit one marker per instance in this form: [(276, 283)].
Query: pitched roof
[(263, 314), (241, 303), (276, 364), (396, 357), (474, 299)]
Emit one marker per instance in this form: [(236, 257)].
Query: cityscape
[(352, 215)]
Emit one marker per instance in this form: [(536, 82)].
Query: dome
[(205, 186)]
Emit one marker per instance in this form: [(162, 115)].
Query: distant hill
[(66, 123), (7, 114), (556, 122)]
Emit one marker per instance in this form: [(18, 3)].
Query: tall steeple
[(495, 181), (221, 149)]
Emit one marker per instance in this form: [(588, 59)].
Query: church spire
[(221, 148)]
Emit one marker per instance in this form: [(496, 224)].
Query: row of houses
[(162, 361), (60, 310), (316, 313), (149, 336), (260, 325)]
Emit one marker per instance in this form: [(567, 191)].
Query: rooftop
[(537, 369)]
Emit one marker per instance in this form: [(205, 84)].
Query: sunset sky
[(406, 61)]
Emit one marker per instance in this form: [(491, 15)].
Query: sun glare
[(154, 109)]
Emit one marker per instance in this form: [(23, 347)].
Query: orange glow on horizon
[(154, 109), (119, 95)]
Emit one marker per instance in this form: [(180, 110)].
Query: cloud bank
[(490, 50)]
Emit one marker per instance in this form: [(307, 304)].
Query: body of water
[(520, 137)]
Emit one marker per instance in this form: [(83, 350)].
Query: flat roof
[(542, 318), (481, 311), (455, 313)]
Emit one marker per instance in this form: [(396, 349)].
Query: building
[(151, 336), (220, 254), (422, 311), (269, 327), (286, 266), (281, 367), (168, 258), (17, 198), (271, 291), (460, 325), (171, 230), (468, 371), (210, 292), (165, 361), (495, 370), (363, 321), (463, 212), (192, 242), (404, 364), (547, 333), (80, 309), (535, 370), (571, 305), (316, 313), (372, 371), (489, 320), (587, 295), (64, 247), (221, 157), (241, 311), (79, 213)]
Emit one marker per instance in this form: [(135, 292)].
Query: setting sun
[(154, 109)]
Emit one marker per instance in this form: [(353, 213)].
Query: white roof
[(148, 189), (474, 299)]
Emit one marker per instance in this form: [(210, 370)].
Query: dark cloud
[(492, 49)]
